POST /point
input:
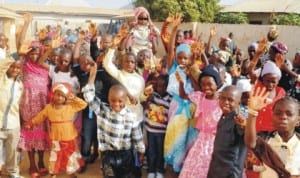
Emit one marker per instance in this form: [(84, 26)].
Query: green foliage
[(231, 18), (286, 19), (192, 10)]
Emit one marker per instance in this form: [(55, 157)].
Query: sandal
[(43, 171), (35, 175)]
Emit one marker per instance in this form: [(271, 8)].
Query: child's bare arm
[(182, 93), (21, 37), (256, 102), (44, 57), (171, 46)]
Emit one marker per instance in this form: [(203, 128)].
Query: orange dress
[(64, 155)]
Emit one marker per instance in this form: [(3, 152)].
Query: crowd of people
[(200, 110)]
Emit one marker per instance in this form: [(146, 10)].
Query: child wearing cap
[(11, 91), (60, 112)]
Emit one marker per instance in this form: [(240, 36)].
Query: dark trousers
[(117, 164), (89, 137), (155, 152)]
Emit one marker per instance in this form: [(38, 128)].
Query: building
[(261, 11)]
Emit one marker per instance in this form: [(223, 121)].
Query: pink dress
[(34, 99), (208, 113)]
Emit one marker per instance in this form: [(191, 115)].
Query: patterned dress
[(34, 99), (208, 113)]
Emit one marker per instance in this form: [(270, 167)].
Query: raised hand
[(235, 70), (81, 35), (258, 98), (148, 90), (177, 20), (279, 60), (122, 33), (262, 45), (213, 31), (93, 72), (93, 29), (169, 19), (27, 18)]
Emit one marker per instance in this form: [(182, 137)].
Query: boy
[(278, 150), (118, 128), (229, 149), (11, 90)]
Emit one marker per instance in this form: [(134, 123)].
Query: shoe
[(159, 175), (93, 157), (43, 171), (151, 175)]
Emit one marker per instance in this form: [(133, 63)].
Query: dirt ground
[(92, 171)]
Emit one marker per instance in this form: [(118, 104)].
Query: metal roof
[(64, 10), (265, 6)]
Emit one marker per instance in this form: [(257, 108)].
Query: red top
[(264, 118)]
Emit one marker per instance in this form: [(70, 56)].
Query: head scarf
[(280, 47), (138, 11), (183, 48), (270, 68), (211, 72), (244, 85), (254, 45), (65, 88)]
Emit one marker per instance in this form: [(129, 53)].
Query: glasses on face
[(143, 18)]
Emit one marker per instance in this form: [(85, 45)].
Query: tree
[(286, 19), (192, 10), (231, 18)]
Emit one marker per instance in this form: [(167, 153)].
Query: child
[(229, 151), (64, 155), (11, 91), (207, 115), (34, 99), (144, 63), (119, 129), (127, 76), (156, 123), (144, 34), (278, 150), (176, 140)]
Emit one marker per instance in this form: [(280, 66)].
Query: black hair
[(287, 99), (164, 77)]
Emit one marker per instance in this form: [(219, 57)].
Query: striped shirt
[(116, 131), (156, 113)]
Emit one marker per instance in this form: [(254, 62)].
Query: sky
[(110, 4)]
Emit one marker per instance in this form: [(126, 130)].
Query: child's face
[(54, 58), (208, 86), (183, 59), (270, 81), (245, 98), (179, 37), (161, 86), (117, 100), (34, 55), (106, 42), (64, 61), (143, 58), (59, 97), (229, 101), (285, 116), (14, 70), (128, 63), (85, 64), (143, 19)]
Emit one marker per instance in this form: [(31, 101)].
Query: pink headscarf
[(138, 11)]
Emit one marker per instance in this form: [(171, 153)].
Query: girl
[(34, 99), (64, 155), (176, 142), (269, 78), (144, 34), (207, 114)]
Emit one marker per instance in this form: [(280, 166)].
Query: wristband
[(253, 112)]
